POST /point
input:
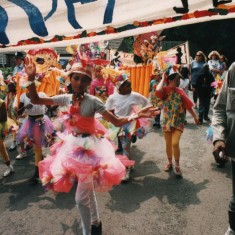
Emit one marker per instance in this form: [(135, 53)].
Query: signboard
[(54, 23)]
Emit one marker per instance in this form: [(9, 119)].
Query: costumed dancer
[(100, 86), (11, 111), (6, 124), (123, 104), (48, 74), (37, 127), (82, 153), (3, 87), (175, 101)]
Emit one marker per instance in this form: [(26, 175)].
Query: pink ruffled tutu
[(86, 157), (38, 130)]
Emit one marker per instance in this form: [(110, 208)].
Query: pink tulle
[(35, 131), (125, 161), (72, 121), (82, 153), (89, 159)]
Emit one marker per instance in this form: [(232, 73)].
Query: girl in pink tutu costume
[(83, 154), (37, 127)]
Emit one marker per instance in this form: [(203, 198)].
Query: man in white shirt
[(122, 104)]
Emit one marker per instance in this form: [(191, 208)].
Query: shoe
[(13, 146), (133, 138), (34, 180), (96, 230), (200, 122), (177, 171), (168, 167), (8, 171), (21, 156), (127, 175), (207, 119), (230, 232), (158, 125), (119, 151), (28, 146), (221, 162)]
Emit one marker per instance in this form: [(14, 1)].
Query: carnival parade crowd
[(79, 112)]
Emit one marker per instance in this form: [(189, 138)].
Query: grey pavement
[(152, 203)]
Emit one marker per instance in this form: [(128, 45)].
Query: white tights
[(87, 205)]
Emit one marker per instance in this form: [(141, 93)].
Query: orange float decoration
[(46, 61)]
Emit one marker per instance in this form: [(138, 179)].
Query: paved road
[(152, 203)]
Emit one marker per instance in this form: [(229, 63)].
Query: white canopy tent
[(26, 24)]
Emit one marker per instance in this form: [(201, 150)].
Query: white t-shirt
[(123, 104), (37, 109), (184, 84)]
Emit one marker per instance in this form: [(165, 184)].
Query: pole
[(231, 211), (187, 53)]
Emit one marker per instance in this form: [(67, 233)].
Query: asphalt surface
[(153, 202)]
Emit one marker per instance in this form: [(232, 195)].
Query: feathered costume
[(6, 127), (82, 153)]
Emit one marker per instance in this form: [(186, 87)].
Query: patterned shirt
[(175, 101)]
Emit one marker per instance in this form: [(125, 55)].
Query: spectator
[(223, 124), (215, 66), (196, 68), (204, 91), (156, 102), (184, 82)]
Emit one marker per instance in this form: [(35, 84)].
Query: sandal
[(168, 167), (178, 171)]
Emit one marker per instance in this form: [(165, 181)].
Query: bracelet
[(133, 116)]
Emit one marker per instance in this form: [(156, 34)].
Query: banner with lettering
[(26, 24)]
